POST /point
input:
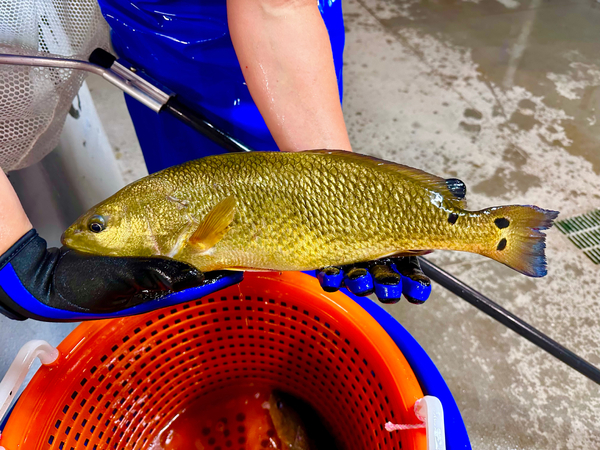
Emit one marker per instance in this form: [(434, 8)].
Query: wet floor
[(504, 95)]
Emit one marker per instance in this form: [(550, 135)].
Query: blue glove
[(388, 278), (63, 285)]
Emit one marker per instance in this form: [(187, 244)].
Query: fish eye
[(96, 224), (280, 404)]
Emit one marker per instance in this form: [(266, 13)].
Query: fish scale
[(303, 211)]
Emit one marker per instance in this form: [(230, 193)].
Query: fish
[(279, 211), (298, 425), (288, 424)]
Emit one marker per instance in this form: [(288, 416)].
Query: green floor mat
[(584, 232)]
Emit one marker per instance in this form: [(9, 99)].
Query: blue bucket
[(427, 374)]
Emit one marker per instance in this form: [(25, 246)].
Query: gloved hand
[(388, 278), (63, 285)]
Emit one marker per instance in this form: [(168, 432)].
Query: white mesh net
[(34, 101)]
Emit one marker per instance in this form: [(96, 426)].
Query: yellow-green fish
[(302, 211), (288, 424), (298, 425)]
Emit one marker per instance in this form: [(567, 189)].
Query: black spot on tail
[(452, 218), (457, 187), (501, 244), (502, 222)]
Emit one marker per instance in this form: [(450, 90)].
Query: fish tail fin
[(521, 243)]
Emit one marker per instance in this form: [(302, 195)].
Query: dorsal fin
[(418, 176)]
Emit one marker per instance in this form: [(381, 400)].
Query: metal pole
[(104, 64), (508, 319), (201, 124), (108, 75)]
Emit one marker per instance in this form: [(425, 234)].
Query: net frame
[(34, 101)]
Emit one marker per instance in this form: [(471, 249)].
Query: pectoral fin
[(214, 226)]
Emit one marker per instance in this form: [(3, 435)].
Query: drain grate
[(584, 232)]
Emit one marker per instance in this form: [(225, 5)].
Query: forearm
[(285, 55), (13, 220)]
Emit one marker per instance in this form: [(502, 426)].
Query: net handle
[(17, 371), (131, 81), (152, 98)]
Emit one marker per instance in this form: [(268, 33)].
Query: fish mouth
[(64, 240)]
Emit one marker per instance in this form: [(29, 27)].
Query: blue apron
[(185, 45)]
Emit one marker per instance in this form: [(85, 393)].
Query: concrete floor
[(502, 94)]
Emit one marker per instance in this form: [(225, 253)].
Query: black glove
[(388, 278), (60, 285)]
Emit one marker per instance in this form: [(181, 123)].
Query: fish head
[(102, 230), (141, 220), (121, 224)]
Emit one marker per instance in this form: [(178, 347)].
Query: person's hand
[(61, 285), (388, 278)]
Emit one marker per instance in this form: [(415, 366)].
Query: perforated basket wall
[(118, 382)]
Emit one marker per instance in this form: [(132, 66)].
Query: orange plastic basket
[(118, 382)]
